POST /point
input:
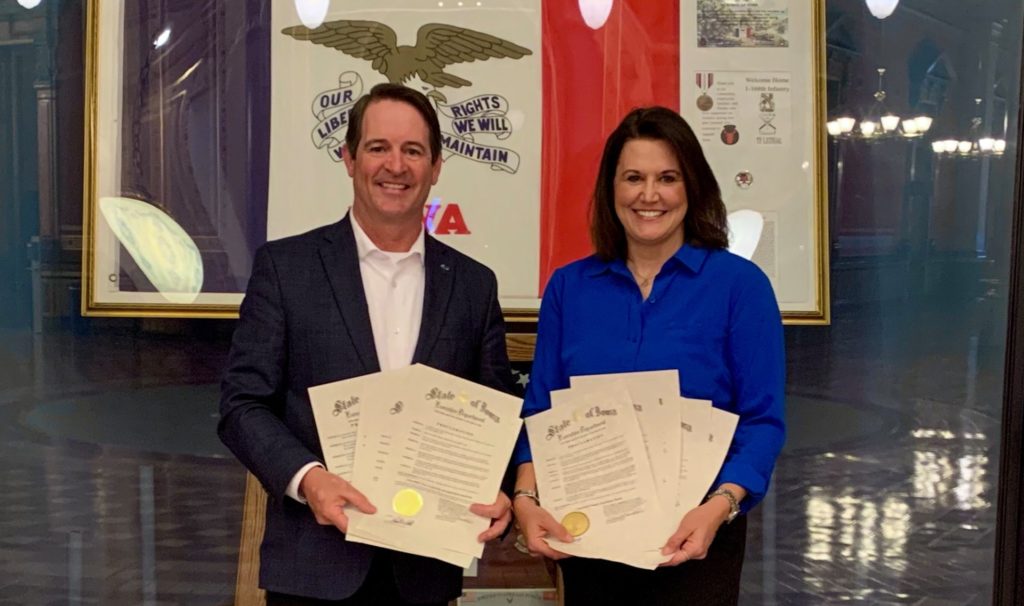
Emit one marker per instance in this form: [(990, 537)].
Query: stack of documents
[(621, 458), (422, 445)]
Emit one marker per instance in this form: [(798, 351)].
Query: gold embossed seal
[(407, 502), (576, 522)]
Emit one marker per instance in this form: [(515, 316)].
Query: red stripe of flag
[(591, 80)]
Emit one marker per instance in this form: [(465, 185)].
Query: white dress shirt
[(393, 283)]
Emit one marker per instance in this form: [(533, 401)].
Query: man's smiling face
[(392, 171)]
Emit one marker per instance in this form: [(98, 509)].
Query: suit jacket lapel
[(341, 264), (439, 278)]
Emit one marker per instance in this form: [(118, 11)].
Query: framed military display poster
[(749, 86)]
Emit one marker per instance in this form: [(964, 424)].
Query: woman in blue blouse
[(662, 292)]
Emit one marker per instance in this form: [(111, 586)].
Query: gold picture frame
[(113, 143)]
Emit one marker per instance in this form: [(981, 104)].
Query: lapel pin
[(445, 267)]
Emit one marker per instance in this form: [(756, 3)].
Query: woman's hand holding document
[(422, 445), (620, 459), (594, 476)]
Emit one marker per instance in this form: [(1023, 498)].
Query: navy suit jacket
[(303, 322)]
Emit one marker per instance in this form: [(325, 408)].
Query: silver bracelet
[(529, 494)]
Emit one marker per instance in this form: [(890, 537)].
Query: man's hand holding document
[(422, 445), (621, 458)]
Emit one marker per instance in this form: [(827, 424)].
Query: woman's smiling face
[(650, 196)]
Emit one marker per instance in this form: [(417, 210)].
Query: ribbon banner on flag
[(331, 108), (479, 115)]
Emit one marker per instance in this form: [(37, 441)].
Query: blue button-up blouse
[(710, 314)]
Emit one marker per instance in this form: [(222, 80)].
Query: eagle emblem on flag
[(468, 126), (437, 47)]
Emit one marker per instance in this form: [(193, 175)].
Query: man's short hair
[(393, 92)]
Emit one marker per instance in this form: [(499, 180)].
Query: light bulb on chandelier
[(595, 12), (879, 121), (880, 9), (976, 144), (312, 12)]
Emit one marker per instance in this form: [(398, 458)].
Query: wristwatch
[(734, 503)]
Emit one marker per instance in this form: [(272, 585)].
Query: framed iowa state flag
[(214, 126)]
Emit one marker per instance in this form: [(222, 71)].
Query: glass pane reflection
[(886, 492)]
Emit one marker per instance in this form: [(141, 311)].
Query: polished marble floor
[(114, 489)]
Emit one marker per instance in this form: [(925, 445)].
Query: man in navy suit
[(370, 292)]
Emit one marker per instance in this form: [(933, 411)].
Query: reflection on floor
[(114, 489), (904, 513)]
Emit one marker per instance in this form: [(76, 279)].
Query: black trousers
[(713, 581), (378, 589)]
